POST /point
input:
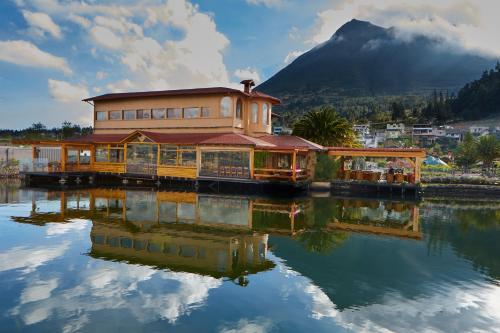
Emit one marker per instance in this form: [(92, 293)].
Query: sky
[(54, 53)]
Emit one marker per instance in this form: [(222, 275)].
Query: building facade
[(198, 134)]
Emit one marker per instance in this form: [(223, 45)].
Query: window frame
[(105, 113), (155, 110), (238, 113), (130, 112), (143, 112), (254, 113), (265, 114), (179, 110), (222, 107), (115, 112), (189, 109)]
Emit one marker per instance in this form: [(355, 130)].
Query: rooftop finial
[(248, 84)]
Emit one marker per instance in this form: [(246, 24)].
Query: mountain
[(362, 59)]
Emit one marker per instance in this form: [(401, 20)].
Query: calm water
[(144, 261)]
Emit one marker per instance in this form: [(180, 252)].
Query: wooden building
[(195, 134)]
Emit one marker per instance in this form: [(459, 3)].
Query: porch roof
[(263, 142)]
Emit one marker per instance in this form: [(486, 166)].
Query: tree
[(325, 127), (467, 152), (68, 130), (398, 111), (488, 149)]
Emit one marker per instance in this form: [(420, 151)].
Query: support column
[(418, 163), (252, 162), (64, 156), (294, 167)]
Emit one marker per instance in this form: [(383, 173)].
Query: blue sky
[(53, 53)]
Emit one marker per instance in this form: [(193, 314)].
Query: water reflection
[(324, 264)]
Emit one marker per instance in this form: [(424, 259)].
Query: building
[(394, 131), (190, 134), (479, 130)]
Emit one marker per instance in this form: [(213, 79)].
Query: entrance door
[(142, 158)]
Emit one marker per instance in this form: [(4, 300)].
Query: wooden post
[(418, 163), (125, 158), (294, 167), (64, 155), (252, 162)]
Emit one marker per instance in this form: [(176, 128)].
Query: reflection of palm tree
[(321, 240)]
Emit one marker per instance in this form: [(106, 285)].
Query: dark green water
[(145, 261)]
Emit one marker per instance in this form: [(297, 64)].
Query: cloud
[(470, 25), (66, 92), (38, 291), (79, 20), (267, 3), (291, 56), (41, 23), (100, 75), (105, 38), (24, 53), (247, 73), (29, 259)]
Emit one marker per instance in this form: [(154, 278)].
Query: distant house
[(479, 130), (362, 130), (394, 131), (423, 134)]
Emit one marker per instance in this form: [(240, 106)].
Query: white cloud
[(291, 56), (100, 75), (42, 23), (258, 325), (29, 259), (55, 229), (24, 53), (105, 38), (79, 20), (472, 25), (247, 73), (267, 3), (66, 92), (38, 291)]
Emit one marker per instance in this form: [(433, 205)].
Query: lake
[(114, 260)]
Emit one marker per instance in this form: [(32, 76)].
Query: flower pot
[(389, 177), (399, 178)]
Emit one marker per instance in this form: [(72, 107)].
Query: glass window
[(192, 112), (100, 115), (72, 156), (129, 114), (225, 164), (101, 154), (115, 115), (168, 155), (174, 113), (265, 115), (159, 113), (143, 114), (205, 112), (116, 154), (84, 156), (239, 108), (225, 107), (255, 112), (187, 156)]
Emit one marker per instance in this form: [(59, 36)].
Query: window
[(143, 114), (187, 156), (239, 108), (192, 112), (225, 164), (100, 115), (225, 107), (168, 155), (109, 154), (255, 112), (159, 113), (178, 155), (101, 153), (175, 113), (115, 115), (129, 114), (265, 115), (84, 156), (205, 112)]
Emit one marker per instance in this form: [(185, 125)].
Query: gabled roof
[(182, 92), (264, 142)]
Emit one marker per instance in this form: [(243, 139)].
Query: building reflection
[(216, 235)]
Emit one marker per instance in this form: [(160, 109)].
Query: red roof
[(179, 92), (263, 142)]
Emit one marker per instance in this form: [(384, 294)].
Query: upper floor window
[(192, 112), (100, 115), (205, 112), (159, 113), (255, 112), (225, 107), (174, 113), (265, 114), (115, 115), (129, 114), (239, 108), (143, 114)]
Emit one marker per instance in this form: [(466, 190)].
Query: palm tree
[(325, 127)]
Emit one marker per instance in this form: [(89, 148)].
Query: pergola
[(414, 156)]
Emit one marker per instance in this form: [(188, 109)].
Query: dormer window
[(239, 109), (225, 107), (265, 114)]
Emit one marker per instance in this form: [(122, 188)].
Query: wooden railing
[(280, 174)]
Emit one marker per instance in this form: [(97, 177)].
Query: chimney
[(248, 84)]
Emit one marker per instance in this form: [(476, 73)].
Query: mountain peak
[(356, 28)]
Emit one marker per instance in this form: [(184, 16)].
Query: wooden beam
[(294, 162), (418, 163), (64, 155), (252, 162), (377, 153)]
